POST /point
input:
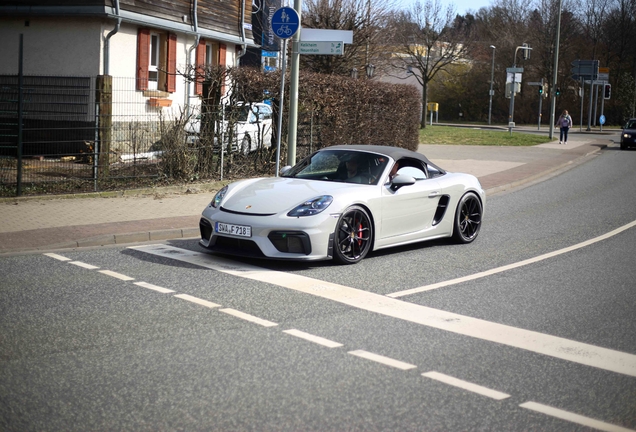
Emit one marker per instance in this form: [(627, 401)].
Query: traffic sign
[(586, 69), (601, 119), (514, 70), (535, 83), (285, 22), (320, 48)]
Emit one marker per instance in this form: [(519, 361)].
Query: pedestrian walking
[(565, 123)]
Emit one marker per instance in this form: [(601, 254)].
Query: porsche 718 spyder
[(343, 202)]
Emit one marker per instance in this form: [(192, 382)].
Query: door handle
[(433, 194)]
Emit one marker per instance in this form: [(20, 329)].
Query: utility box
[(432, 106)]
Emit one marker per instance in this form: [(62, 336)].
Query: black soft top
[(395, 153)]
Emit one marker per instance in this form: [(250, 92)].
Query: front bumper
[(276, 236)]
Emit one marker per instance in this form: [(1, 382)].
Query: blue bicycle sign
[(285, 22)]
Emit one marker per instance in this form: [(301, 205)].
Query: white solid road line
[(312, 338), (574, 418), (475, 388), (381, 359), (248, 317), (565, 349), (154, 287), (511, 266), (197, 300), (116, 275)]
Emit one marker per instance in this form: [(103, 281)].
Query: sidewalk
[(47, 223)]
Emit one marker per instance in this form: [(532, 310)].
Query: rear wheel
[(354, 233), (467, 218)]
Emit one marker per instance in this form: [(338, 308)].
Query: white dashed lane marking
[(57, 257), (197, 300), (154, 287), (248, 317), (475, 388), (315, 339), (383, 360), (84, 265), (116, 275), (565, 349)]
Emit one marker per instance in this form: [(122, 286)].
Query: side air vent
[(442, 205)]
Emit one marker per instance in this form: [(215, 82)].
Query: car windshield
[(238, 113), (631, 124), (348, 166)]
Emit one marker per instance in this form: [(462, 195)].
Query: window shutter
[(143, 58), (171, 82), (199, 70), (222, 62)]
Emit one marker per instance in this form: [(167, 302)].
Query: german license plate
[(237, 230)]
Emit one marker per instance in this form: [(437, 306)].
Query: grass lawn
[(468, 136)]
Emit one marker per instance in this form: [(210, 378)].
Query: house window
[(156, 61), (153, 66), (207, 55)]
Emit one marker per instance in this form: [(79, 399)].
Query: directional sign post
[(320, 48)]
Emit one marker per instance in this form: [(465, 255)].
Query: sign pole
[(293, 89), (281, 104), (555, 71), (582, 98)]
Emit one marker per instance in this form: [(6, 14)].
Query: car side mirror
[(401, 180), (284, 169)]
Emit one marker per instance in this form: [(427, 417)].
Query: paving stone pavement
[(49, 223)]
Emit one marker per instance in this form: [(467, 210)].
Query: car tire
[(623, 146), (353, 236), (467, 221)]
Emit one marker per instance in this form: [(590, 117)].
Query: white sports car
[(343, 202)]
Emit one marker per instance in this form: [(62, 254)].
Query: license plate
[(237, 230)]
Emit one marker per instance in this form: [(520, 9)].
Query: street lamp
[(492, 77)]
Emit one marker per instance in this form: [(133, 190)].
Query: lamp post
[(492, 77)]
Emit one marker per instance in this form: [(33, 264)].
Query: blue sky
[(461, 6)]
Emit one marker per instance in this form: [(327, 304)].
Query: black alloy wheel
[(467, 218), (353, 236)]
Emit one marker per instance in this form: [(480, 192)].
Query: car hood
[(268, 196)]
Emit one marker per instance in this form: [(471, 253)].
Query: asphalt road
[(547, 345)]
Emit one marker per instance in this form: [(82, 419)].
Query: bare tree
[(429, 41), (363, 17)]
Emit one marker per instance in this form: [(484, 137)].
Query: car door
[(407, 213)]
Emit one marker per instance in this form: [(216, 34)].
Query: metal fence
[(52, 140)]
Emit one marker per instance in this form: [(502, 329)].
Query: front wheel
[(353, 236), (467, 218)]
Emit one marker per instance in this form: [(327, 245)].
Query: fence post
[(104, 89)]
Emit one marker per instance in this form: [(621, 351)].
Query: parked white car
[(252, 126)]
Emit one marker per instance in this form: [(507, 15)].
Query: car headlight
[(627, 135), (216, 201), (312, 206)]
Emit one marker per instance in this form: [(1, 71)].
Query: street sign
[(603, 74), (285, 22), (514, 70), (326, 35), (586, 69), (535, 83), (320, 48), (601, 119)]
